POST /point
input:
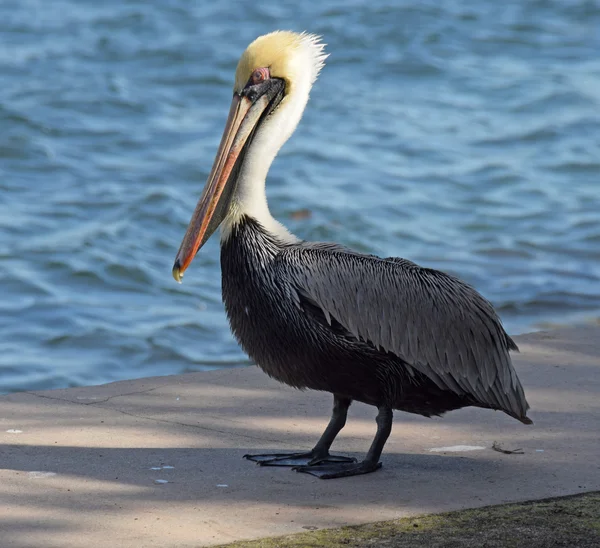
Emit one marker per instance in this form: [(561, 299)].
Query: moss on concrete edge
[(572, 521)]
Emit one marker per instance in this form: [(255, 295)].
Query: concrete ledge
[(80, 466)]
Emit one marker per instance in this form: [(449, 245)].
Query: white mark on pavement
[(38, 475), (456, 448)]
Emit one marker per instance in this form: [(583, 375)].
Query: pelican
[(382, 331)]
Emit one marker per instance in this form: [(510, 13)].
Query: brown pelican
[(385, 332)]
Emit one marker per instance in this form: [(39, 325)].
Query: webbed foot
[(305, 459), (339, 470)]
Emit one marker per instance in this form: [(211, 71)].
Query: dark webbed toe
[(339, 470), (309, 458)]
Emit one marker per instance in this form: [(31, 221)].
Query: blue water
[(462, 135)]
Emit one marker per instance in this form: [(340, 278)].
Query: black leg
[(320, 453), (370, 464)]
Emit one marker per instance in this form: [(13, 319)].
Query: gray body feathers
[(382, 331)]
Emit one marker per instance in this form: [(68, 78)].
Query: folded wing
[(437, 324)]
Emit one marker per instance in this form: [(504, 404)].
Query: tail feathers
[(524, 420), (512, 345)]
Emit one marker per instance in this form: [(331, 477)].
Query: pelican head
[(273, 80)]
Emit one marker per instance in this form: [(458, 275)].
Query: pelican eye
[(259, 76)]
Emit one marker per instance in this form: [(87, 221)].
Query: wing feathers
[(434, 322)]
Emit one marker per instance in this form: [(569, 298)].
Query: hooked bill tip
[(177, 274)]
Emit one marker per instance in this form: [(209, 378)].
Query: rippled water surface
[(462, 135)]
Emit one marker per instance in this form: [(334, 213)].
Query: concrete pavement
[(157, 462)]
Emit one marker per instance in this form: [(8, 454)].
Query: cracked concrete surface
[(80, 466)]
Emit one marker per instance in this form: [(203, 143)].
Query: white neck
[(250, 197)]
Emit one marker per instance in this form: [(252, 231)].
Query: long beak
[(213, 204)]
